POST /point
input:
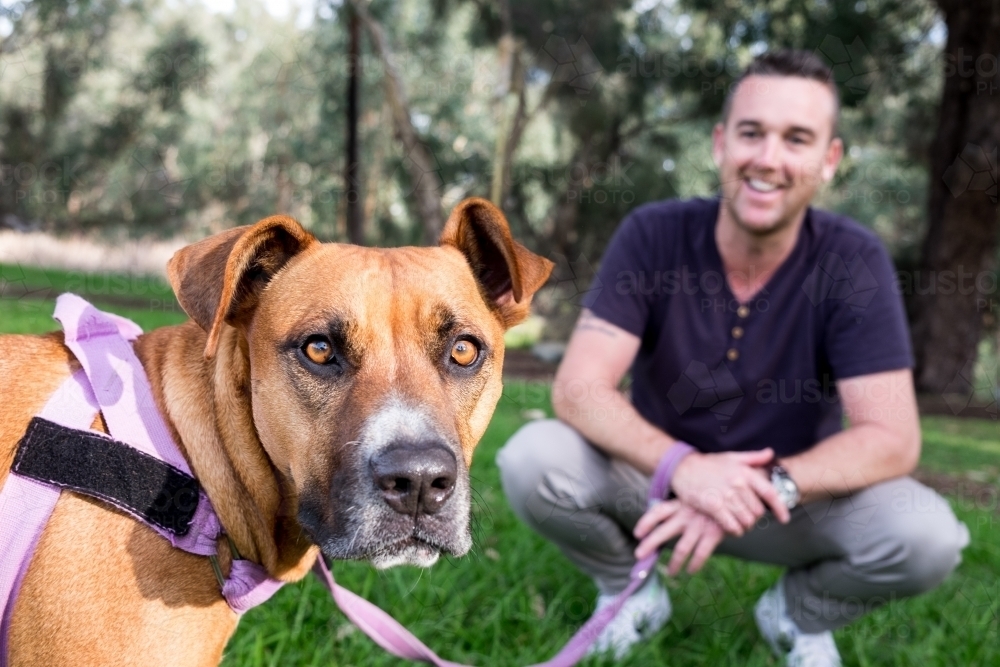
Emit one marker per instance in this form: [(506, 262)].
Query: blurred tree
[(425, 183), (48, 162), (569, 113), (355, 221), (954, 290)]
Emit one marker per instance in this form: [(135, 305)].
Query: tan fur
[(103, 589)]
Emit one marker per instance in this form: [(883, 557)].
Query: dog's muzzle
[(404, 502)]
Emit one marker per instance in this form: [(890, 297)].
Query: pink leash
[(388, 633), (114, 383)]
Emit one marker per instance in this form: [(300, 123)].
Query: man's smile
[(762, 186)]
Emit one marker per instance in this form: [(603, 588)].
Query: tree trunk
[(956, 286), (419, 163), (355, 219), (510, 106)]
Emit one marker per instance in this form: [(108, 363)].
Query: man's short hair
[(788, 62)]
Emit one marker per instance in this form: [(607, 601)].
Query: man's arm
[(585, 394), (727, 487), (882, 441)]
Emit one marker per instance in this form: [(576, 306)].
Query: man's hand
[(668, 519), (729, 487)]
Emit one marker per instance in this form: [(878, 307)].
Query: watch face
[(787, 490)]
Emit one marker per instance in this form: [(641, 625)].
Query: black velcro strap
[(112, 471)]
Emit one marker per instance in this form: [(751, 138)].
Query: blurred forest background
[(368, 121)]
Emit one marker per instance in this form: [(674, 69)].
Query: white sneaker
[(641, 616), (799, 649)]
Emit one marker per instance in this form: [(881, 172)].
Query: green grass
[(27, 297), (960, 445), (25, 316), (94, 287), (514, 600)]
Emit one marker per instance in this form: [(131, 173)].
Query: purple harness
[(114, 383)]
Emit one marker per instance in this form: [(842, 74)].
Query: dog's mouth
[(411, 550), (387, 543), (418, 548)]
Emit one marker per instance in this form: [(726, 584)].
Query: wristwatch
[(786, 487)]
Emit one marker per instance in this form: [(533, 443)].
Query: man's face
[(775, 150)]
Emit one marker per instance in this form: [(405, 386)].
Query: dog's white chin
[(421, 555)]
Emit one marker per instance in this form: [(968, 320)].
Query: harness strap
[(112, 382), (248, 585), (26, 505), (100, 342)]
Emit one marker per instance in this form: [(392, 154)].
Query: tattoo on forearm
[(589, 322)]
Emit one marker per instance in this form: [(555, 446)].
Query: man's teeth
[(762, 186)]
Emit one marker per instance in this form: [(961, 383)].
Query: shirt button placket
[(732, 354)]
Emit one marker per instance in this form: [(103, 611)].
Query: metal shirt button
[(737, 332), (743, 311), (733, 354)]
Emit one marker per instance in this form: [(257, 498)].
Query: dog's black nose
[(415, 479)]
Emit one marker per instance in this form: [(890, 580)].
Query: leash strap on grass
[(388, 633)]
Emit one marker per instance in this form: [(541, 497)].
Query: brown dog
[(324, 395)]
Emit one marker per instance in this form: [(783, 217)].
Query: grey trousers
[(844, 556)]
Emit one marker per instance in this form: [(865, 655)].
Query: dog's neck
[(207, 404)]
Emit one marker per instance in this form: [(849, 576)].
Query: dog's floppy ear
[(218, 280), (508, 273)]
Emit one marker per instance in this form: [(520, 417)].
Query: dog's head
[(373, 372)]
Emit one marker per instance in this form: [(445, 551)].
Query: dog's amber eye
[(319, 350), (464, 352)]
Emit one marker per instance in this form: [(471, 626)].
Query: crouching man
[(753, 325)]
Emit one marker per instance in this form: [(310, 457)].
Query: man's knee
[(538, 467), (934, 549), (538, 445), (922, 547)]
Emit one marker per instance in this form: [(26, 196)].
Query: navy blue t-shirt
[(725, 376)]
